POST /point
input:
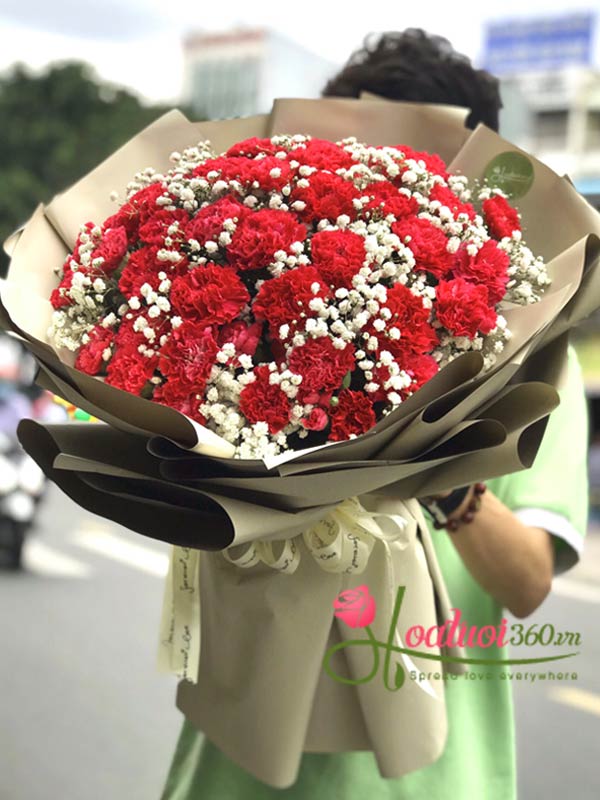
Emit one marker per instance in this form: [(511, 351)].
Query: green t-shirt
[(479, 757)]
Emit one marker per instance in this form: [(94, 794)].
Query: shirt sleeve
[(554, 493)]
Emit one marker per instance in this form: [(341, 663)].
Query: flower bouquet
[(292, 333)]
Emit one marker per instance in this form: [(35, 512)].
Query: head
[(415, 66)]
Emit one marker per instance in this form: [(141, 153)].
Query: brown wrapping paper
[(279, 696), (464, 425)]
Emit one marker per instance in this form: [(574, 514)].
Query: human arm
[(531, 524), (512, 561)]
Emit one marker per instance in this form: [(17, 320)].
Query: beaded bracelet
[(452, 525)]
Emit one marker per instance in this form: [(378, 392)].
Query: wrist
[(468, 510), (456, 508), (442, 508)]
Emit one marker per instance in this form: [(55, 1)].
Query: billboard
[(545, 43)]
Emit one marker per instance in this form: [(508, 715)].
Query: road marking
[(120, 549), (43, 560), (577, 698), (576, 590)]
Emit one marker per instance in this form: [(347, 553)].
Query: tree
[(56, 127)]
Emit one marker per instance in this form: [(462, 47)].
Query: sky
[(137, 43)]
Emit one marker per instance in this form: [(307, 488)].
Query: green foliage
[(55, 127)]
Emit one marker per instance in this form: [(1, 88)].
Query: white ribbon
[(340, 543), (263, 553), (179, 646)]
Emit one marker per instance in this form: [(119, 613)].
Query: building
[(241, 72), (550, 77)]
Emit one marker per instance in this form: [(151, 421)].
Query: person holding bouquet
[(498, 546)]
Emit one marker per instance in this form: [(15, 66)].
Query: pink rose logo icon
[(355, 607)]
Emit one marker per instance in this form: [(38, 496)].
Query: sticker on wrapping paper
[(510, 171)]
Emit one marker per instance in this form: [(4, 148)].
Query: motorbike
[(22, 485), (22, 482)]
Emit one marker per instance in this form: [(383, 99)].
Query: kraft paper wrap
[(262, 695)]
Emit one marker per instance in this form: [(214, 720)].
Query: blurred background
[(83, 715)]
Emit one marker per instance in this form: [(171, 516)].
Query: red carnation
[(421, 368), (352, 415), (500, 217), (144, 201), (322, 367), (244, 337), (228, 168), (270, 173), (172, 394), (489, 267), (433, 163), (427, 243), (89, 358), (187, 358), (208, 222), (112, 248), (250, 148), (317, 420), (136, 210), (86, 229), (338, 255), (283, 300), (260, 235), (144, 267), (464, 308), (59, 297), (388, 199), (262, 401), (155, 229), (328, 196), (210, 295), (129, 369), (411, 317), (447, 198), (322, 154)]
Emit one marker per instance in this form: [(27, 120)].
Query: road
[(85, 716)]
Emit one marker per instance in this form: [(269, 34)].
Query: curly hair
[(416, 66)]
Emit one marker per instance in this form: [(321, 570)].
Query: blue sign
[(525, 45)]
